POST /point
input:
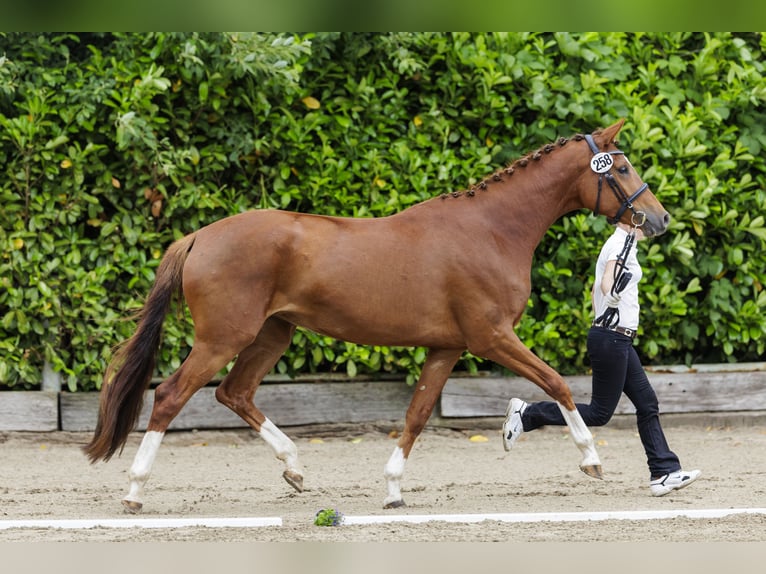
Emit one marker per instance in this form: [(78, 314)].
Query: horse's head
[(611, 186)]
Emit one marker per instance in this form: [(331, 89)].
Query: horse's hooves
[(395, 504), (593, 470), (132, 506), (293, 479)]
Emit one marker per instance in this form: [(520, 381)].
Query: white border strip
[(143, 523), (554, 516), (255, 522)]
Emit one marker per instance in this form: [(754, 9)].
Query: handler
[(616, 367)]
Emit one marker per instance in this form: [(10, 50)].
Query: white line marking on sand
[(143, 523), (255, 522), (554, 516)]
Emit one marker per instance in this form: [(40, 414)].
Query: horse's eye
[(623, 169)]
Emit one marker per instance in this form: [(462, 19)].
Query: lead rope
[(611, 317)]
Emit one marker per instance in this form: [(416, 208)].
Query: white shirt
[(629, 308)]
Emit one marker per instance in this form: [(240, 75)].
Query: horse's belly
[(389, 327)]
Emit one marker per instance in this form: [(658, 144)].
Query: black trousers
[(616, 370)]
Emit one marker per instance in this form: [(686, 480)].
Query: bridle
[(601, 163)]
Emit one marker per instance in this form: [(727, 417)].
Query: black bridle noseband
[(601, 163)]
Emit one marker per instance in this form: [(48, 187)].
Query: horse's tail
[(130, 371)]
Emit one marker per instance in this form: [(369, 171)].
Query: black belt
[(621, 330)]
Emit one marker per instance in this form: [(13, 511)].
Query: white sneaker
[(512, 427), (673, 481)]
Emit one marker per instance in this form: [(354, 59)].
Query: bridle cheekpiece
[(602, 163)]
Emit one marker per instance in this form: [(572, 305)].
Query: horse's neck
[(525, 206)]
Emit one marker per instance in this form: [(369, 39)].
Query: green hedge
[(113, 145)]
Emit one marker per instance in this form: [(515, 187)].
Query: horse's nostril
[(666, 219)]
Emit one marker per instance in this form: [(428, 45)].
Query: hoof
[(293, 479), (395, 504), (593, 470), (132, 506)]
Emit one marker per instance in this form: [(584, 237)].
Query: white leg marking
[(284, 449), (393, 471), (581, 436), (142, 465)]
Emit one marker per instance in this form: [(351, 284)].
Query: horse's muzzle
[(656, 225)]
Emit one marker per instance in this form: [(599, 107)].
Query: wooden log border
[(680, 391)]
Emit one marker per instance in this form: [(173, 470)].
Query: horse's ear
[(609, 134)]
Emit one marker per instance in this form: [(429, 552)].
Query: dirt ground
[(234, 474)]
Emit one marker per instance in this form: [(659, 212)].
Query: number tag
[(601, 162)]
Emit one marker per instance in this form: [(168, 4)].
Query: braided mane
[(508, 171)]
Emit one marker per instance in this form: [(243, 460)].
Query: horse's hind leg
[(434, 375), (238, 389), (203, 362), (510, 352)]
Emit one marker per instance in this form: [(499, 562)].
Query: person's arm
[(607, 281)]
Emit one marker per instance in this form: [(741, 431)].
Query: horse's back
[(304, 238)]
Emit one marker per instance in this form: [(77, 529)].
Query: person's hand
[(612, 300)]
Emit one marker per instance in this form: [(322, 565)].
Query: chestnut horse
[(451, 274)]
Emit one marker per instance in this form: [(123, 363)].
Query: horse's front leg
[(510, 352), (590, 464), (434, 375)]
